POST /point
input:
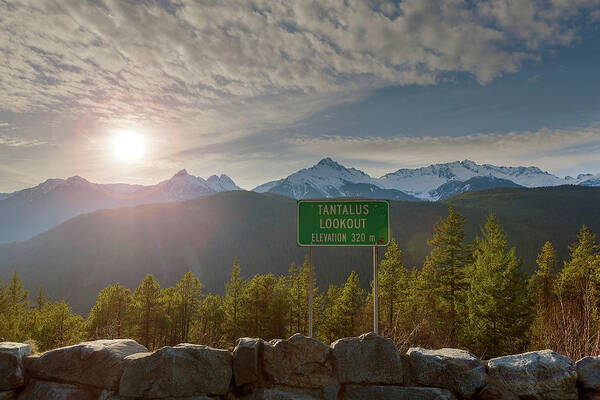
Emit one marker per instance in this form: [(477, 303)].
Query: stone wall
[(300, 368)]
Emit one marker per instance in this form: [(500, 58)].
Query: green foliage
[(450, 256), (344, 310), (109, 316), (57, 326), (578, 287), (497, 299), (147, 311), (233, 303), (393, 285), (477, 289), (543, 296)]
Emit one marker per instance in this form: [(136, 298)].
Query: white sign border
[(387, 202)]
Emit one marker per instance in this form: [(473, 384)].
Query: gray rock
[(98, 363), (278, 394), (376, 392), (8, 395), (246, 357), (368, 359), (42, 390), (452, 369), (299, 361), (180, 371), (535, 375), (588, 372), (12, 373)]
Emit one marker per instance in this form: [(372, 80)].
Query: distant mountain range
[(78, 258), (435, 182), (28, 212)]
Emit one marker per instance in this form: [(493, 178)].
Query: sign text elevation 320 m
[(343, 223)]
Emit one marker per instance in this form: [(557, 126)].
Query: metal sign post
[(343, 223), (375, 294), (310, 293)]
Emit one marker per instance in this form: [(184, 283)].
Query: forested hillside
[(467, 295), (80, 257)]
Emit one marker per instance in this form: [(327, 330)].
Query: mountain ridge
[(30, 211), (325, 179)]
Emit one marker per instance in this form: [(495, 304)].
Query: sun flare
[(128, 146)]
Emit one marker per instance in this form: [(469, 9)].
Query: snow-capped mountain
[(435, 182), (328, 178), (423, 182), (31, 211), (588, 180), (183, 186)]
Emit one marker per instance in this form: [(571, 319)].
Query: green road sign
[(343, 223)]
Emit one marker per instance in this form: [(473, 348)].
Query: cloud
[(13, 141), (192, 59), (555, 150)]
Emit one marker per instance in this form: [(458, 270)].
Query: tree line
[(468, 295)]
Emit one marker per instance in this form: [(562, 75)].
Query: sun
[(128, 146)]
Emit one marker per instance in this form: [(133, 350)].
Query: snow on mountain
[(423, 182), (183, 186), (588, 180), (222, 183), (28, 212), (435, 182), (327, 178)]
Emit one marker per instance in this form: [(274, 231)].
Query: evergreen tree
[(393, 285), (15, 324), (169, 331), (233, 302), (189, 293), (147, 305), (345, 310), (450, 256), (497, 300), (41, 299), (422, 322), (17, 295), (579, 293), (542, 293), (298, 284), (207, 328), (57, 326), (109, 316)]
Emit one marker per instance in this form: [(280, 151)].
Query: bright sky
[(259, 89)]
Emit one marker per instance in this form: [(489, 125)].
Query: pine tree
[(393, 284), (298, 283), (17, 319), (234, 302), (345, 309), (579, 294), (450, 256), (58, 326), (207, 327), (110, 315), (41, 298), (542, 293), (189, 293), (17, 295), (422, 322), (146, 301), (497, 301)]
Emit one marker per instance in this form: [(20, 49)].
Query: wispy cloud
[(136, 59), (555, 150), (14, 141)]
